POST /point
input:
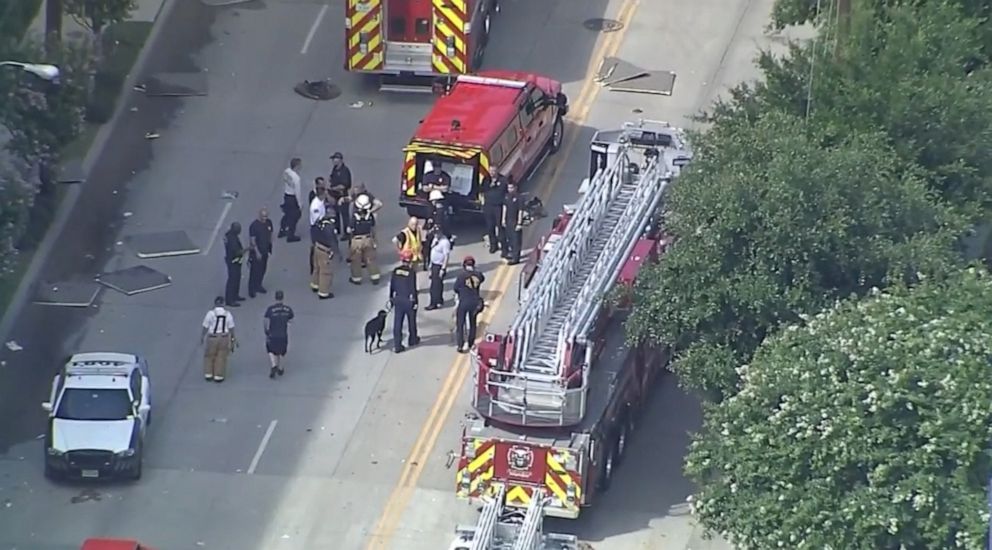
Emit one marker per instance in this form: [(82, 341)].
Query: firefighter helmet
[(436, 195), (406, 256), (363, 202)]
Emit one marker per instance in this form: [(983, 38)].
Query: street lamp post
[(41, 70)]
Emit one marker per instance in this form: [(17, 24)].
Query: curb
[(68, 204)]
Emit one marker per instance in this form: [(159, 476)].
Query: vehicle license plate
[(91, 473)]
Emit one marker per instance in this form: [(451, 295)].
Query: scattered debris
[(360, 104), (174, 85), (68, 294), (600, 24), (128, 214), (321, 90), (71, 172), (87, 495), (451, 460), (219, 420), (134, 109), (152, 135), (622, 76), (229, 195), (134, 280), (13, 346), (160, 245)]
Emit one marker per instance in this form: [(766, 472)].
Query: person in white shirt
[(218, 335), (291, 200), (440, 252)]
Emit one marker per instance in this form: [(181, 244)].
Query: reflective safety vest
[(412, 243)]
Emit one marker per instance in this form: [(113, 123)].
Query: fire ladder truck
[(554, 397)]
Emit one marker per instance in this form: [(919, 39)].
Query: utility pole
[(843, 16), (53, 24)]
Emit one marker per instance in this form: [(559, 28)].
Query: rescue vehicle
[(413, 42), (556, 398), (496, 123), (114, 544)]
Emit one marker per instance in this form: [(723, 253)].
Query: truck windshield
[(94, 404)]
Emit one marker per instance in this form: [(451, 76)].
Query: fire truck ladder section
[(547, 380), (501, 529)]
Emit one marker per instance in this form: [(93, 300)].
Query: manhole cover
[(321, 90), (599, 24)]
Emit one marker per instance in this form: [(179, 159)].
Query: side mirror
[(143, 409), (46, 406)]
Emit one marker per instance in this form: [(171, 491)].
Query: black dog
[(373, 330)]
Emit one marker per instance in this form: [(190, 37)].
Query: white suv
[(99, 409)]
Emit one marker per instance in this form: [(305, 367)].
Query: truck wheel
[(136, 474), (557, 135), (480, 50), (623, 438), (606, 470)]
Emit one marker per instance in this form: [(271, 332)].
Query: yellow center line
[(388, 521)]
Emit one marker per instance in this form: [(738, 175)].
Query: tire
[(480, 50), (136, 475), (608, 468), (622, 440), (557, 136)]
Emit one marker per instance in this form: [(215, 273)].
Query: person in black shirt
[(467, 288), (260, 247), (276, 325), (492, 210), (435, 178), (513, 225), (403, 296), (339, 184), (234, 257)]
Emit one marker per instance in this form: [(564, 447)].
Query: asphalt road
[(341, 424)]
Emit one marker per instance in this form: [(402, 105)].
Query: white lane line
[(220, 223), (261, 447), (313, 29)]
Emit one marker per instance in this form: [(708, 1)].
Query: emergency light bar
[(100, 364), (490, 81)]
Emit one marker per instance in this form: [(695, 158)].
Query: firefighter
[(403, 297), (435, 178), (467, 291), (325, 241), (513, 224), (318, 210), (362, 248), (492, 211), (234, 258), (411, 239), (441, 213), (339, 185)]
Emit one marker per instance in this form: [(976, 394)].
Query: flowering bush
[(868, 427)]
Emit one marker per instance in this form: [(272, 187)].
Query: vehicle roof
[(484, 110), (104, 357), (96, 382), (109, 544)]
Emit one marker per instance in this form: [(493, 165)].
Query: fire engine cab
[(407, 41), (495, 124), (556, 397)]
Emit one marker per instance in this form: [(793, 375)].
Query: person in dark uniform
[(492, 211), (324, 249), (435, 178), (339, 185), (468, 284), (441, 214), (234, 257), (276, 326), (403, 295), (513, 224), (260, 247)]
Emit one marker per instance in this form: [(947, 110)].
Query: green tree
[(866, 428), (41, 117), (901, 70), (18, 185), (97, 15), (775, 219)]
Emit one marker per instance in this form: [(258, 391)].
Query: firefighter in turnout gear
[(363, 245), (324, 243), (492, 211), (468, 285), (513, 224), (403, 296)]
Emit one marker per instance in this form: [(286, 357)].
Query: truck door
[(409, 20)]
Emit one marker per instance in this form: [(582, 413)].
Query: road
[(336, 454)]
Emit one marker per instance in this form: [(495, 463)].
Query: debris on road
[(13, 346), (360, 104), (152, 135), (229, 195), (219, 420), (451, 460), (321, 90), (128, 214)]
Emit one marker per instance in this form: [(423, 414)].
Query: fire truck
[(413, 42), (556, 397)]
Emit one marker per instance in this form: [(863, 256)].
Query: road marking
[(261, 447), (216, 231), (389, 520), (313, 29)]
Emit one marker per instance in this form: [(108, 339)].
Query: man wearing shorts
[(277, 318)]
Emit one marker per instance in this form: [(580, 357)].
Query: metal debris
[(13, 346), (229, 195), (360, 104), (152, 135), (600, 24)]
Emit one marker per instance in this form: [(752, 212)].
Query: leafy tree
[(868, 428), (774, 219), (43, 117), (18, 185), (901, 70), (97, 15)]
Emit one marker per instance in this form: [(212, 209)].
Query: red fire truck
[(408, 41), (557, 396)]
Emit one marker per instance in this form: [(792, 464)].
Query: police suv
[(99, 409)]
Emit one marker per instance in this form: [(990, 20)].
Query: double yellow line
[(396, 504)]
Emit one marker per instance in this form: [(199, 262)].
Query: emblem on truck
[(520, 460)]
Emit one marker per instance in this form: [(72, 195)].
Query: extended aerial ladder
[(500, 529), (542, 375)]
